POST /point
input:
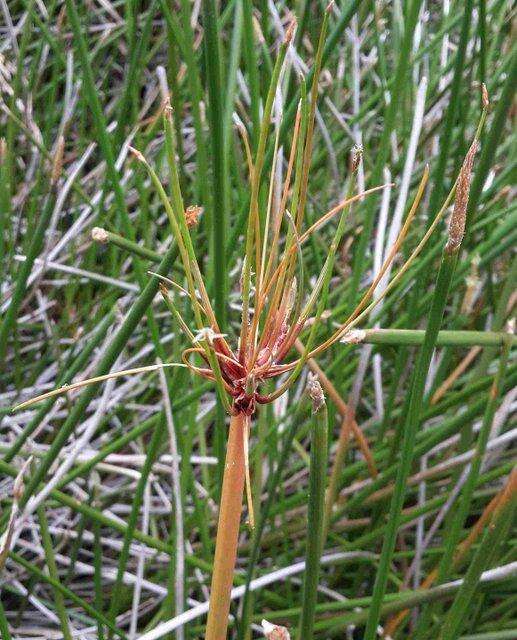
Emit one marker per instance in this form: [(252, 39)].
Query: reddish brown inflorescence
[(243, 373)]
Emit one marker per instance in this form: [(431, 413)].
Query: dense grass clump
[(256, 333)]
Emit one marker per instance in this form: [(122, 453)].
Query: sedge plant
[(281, 326)]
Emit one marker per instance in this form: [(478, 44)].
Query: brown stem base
[(227, 531)]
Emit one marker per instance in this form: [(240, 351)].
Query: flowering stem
[(412, 421), (315, 516), (227, 531)]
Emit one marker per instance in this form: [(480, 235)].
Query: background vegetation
[(110, 527)]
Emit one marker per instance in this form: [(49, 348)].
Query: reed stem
[(227, 531)]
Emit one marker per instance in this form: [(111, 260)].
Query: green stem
[(35, 246), (152, 453), (463, 507), (457, 522), (53, 572), (395, 602), (444, 338), (103, 236), (97, 562), (500, 315), (382, 154), (315, 515), (411, 424), (401, 601), (330, 45), (495, 535), (250, 57), (215, 113)]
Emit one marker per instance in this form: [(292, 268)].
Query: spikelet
[(459, 213), (275, 631)]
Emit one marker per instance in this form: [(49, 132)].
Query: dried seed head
[(19, 486), (192, 214), (484, 96), (459, 213), (100, 235), (207, 334), (356, 157), (290, 31), (3, 150), (168, 110), (292, 296), (57, 165), (94, 484), (275, 631), (315, 392), (61, 19), (354, 336), (138, 154)]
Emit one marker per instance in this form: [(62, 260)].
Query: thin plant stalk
[(337, 623), (382, 153), (35, 246), (445, 338), (339, 461), (495, 535), (250, 58), (215, 113), (4, 625), (104, 237), (342, 407), (416, 400), (452, 108), (461, 551), (97, 561), (151, 455), (462, 509), (316, 508), (53, 572), (331, 42), (227, 530)]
